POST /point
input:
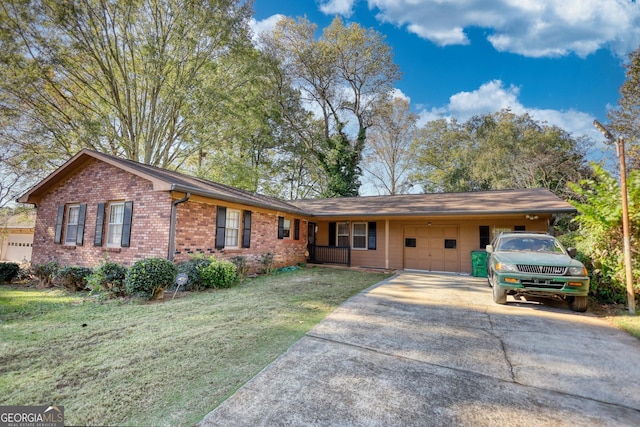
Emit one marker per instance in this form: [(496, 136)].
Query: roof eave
[(446, 213), (227, 198), (32, 196)]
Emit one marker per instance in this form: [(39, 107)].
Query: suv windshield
[(529, 243)]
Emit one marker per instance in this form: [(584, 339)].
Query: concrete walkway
[(434, 350)]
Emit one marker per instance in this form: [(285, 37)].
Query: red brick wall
[(196, 234), (99, 182)]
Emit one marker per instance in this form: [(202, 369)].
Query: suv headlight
[(577, 271), (506, 267)]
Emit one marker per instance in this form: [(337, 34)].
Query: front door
[(311, 241), (431, 248)]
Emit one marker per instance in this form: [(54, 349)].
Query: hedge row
[(148, 277)]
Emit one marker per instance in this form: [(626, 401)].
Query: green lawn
[(627, 322), (126, 362)]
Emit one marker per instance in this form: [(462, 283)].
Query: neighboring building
[(98, 206), (16, 238)]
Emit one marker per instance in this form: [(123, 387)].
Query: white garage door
[(19, 247)]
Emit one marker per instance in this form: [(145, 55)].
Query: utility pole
[(631, 300)]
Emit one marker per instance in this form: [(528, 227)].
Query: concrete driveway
[(434, 350)]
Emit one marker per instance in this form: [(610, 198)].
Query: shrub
[(73, 278), (266, 260), (45, 272), (25, 273), (191, 268), (150, 277), (242, 267), (8, 271), (218, 274), (109, 278)]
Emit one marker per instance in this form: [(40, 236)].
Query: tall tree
[(626, 117), (341, 77), (387, 155), (122, 77), (498, 151)]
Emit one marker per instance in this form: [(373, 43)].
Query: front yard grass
[(627, 322), (129, 362)]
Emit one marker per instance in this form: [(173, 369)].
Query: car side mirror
[(572, 252), (489, 249)]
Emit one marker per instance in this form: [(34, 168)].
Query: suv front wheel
[(499, 294), (578, 304)]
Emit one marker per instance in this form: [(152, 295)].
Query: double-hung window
[(232, 233), (73, 216), (359, 235), (343, 234), (286, 229), (114, 227)]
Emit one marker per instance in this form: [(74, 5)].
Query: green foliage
[(266, 259), (497, 151), (108, 278), (96, 73), (150, 277), (218, 274), (345, 58), (242, 267), (192, 269), (73, 278), (45, 273), (625, 117), (600, 237), (8, 271)]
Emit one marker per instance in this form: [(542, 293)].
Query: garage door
[(19, 247), (431, 248)]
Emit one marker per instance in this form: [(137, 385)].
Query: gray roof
[(164, 180), (525, 201)]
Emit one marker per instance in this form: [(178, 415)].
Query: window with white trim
[(359, 235), (343, 234), (71, 233), (286, 229), (114, 227), (232, 226)]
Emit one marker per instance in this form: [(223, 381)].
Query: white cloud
[(338, 7), (493, 96), (535, 28), (265, 26)]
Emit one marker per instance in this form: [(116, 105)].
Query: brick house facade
[(97, 206)]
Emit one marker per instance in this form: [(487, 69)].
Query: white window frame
[(67, 241), (231, 229), (365, 235), (343, 234), (117, 238)]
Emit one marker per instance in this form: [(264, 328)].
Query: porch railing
[(330, 255)]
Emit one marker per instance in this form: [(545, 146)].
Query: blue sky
[(559, 60)]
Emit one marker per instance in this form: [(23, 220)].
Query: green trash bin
[(479, 263)]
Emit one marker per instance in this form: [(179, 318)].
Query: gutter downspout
[(172, 225)]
